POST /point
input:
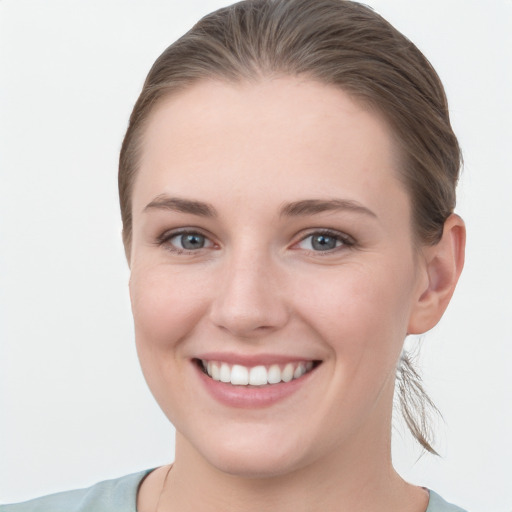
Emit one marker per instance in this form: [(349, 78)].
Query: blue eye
[(190, 241), (324, 241), (186, 241)]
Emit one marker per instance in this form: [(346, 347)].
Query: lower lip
[(249, 397)]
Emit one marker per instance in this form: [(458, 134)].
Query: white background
[(74, 407)]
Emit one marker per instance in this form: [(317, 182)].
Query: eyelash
[(165, 240), (345, 241)]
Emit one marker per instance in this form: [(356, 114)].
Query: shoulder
[(437, 504), (118, 495)]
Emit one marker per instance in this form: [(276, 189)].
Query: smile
[(261, 375)]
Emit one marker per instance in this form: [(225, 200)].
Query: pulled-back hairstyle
[(339, 43)]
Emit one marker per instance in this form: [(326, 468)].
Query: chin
[(252, 456), (251, 464)]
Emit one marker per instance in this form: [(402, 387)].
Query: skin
[(258, 286)]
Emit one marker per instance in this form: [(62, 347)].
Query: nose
[(250, 300)]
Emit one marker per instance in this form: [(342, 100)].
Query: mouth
[(259, 375)]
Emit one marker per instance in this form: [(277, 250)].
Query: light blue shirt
[(120, 495)]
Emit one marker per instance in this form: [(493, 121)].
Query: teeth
[(299, 371), (274, 374), (215, 371), (239, 375), (225, 373), (258, 376), (287, 374)]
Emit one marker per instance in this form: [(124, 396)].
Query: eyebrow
[(178, 204), (295, 209), (314, 206)]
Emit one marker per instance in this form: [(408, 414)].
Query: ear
[(443, 265)]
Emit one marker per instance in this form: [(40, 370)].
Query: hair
[(339, 43)]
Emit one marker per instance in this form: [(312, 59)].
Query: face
[(273, 274)]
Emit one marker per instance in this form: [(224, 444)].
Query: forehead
[(283, 135)]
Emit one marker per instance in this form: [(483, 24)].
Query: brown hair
[(336, 42)]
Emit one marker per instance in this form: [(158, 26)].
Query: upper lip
[(253, 359)]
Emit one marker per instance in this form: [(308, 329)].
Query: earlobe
[(444, 262)]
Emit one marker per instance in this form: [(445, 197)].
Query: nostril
[(246, 322)]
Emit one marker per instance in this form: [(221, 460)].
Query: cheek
[(166, 306), (166, 309), (362, 309)]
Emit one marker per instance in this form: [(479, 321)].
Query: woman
[(287, 187)]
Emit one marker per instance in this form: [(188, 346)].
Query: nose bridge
[(249, 299)]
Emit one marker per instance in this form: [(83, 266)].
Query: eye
[(323, 241), (185, 241)]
